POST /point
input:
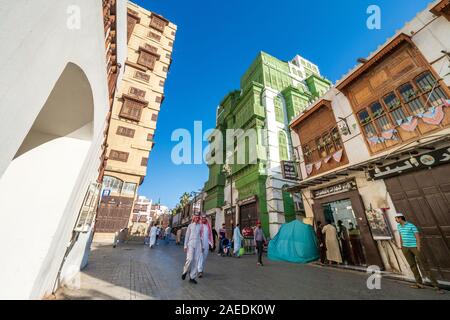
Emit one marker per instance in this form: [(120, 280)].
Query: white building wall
[(37, 52), (121, 35), (275, 180)]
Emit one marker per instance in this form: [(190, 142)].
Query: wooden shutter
[(142, 76), (154, 36), (118, 155), (151, 48), (282, 147), (127, 132), (131, 109), (144, 162), (132, 20), (146, 59), (157, 23), (137, 92)]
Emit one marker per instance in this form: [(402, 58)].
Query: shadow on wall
[(68, 112), (43, 179)]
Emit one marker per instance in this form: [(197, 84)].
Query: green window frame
[(279, 114), (282, 146)]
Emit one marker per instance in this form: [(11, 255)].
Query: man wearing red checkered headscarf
[(207, 240)]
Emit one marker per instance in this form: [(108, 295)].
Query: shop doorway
[(229, 222), (424, 198), (340, 213), (248, 215)]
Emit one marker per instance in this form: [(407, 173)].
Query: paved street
[(134, 271)]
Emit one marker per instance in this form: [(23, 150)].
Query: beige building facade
[(134, 117)]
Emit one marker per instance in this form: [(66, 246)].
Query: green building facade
[(272, 93)]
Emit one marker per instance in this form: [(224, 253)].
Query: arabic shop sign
[(423, 161), (337, 188), (231, 210), (289, 170)]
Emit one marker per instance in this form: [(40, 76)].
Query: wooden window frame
[(132, 19), (312, 154), (154, 36), (157, 22), (140, 75), (144, 161), (135, 103), (136, 92), (420, 95), (118, 156), (126, 132), (279, 116), (147, 58), (151, 48)]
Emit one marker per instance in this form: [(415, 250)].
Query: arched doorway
[(41, 182)]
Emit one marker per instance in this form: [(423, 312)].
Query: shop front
[(420, 188), (341, 205)]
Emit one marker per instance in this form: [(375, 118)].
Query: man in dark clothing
[(215, 236), (222, 236), (321, 242), (260, 239), (345, 244)]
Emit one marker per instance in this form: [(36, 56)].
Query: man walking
[(412, 250), (207, 240), (222, 236), (153, 234), (178, 241), (167, 233), (260, 239), (193, 249), (237, 239), (158, 232)]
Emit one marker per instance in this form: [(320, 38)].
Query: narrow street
[(134, 272)]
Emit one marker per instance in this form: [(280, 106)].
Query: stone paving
[(134, 271)]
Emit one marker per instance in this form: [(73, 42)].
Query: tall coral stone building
[(134, 117)]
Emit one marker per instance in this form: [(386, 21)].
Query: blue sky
[(218, 40)]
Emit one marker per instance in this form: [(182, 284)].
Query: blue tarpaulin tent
[(295, 242)]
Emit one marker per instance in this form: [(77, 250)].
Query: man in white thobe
[(193, 249), (153, 231), (207, 240)]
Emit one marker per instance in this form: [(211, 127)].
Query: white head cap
[(398, 215)]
